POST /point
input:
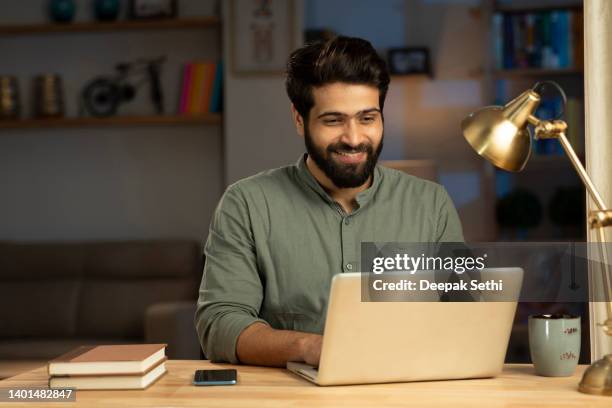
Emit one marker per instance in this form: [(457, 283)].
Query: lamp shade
[(500, 134)]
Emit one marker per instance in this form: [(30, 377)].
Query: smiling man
[(277, 238)]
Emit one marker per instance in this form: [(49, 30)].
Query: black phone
[(215, 377)]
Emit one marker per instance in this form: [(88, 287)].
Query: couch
[(57, 296)]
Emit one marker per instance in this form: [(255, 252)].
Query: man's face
[(344, 132)]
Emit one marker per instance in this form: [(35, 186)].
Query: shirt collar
[(362, 198)]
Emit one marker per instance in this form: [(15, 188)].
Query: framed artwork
[(409, 61), (261, 35)]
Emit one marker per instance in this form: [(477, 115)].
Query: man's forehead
[(349, 99)]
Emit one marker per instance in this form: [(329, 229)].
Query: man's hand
[(311, 349), (260, 344)]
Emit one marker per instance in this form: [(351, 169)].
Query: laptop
[(381, 342)]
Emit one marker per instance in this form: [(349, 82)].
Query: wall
[(108, 183), (259, 132)]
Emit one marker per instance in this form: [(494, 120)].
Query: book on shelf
[(202, 88), (120, 366), (551, 39)]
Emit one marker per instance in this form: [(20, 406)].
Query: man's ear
[(298, 120)]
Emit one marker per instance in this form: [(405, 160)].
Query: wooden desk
[(270, 387)]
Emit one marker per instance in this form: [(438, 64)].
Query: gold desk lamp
[(501, 135)]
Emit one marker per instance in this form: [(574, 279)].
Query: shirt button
[(347, 221), (349, 266)]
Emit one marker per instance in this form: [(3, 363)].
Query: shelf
[(542, 72), (208, 119), (520, 6), (121, 25)]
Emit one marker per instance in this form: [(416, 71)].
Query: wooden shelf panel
[(122, 25), (208, 119), (521, 72), (519, 6)]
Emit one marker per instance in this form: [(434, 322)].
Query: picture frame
[(152, 9), (261, 35), (409, 61)]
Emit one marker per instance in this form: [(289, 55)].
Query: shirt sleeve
[(231, 291), (448, 227)]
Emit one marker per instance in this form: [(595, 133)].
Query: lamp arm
[(582, 172)]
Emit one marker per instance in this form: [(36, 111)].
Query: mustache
[(346, 148)]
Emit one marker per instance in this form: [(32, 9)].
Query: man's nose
[(351, 136)]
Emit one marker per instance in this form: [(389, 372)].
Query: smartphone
[(215, 377)]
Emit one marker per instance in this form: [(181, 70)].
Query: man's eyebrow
[(331, 113), (334, 113), (366, 111)]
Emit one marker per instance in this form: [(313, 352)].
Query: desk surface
[(517, 386)]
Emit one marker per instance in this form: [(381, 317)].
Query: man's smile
[(350, 157)]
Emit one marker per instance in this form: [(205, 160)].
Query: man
[(278, 237)]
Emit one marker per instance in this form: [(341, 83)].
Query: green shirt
[(277, 238)]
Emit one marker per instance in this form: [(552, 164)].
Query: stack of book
[(547, 39), (202, 88), (133, 366)]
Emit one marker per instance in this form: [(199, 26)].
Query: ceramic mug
[(554, 344)]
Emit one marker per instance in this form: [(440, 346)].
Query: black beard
[(343, 175)]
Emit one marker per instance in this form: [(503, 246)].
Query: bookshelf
[(548, 169), (83, 27), (154, 120), (124, 25), (536, 72), (510, 6), (548, 172)]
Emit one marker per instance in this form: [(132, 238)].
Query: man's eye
[(367, 119), (331, 121)]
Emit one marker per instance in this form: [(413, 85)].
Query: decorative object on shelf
[(143, 9), (10, 104), (262, 35), (48, 96), (409, 61), (500, 134), (202, 88), (102, 96), (62, 11), (106, 10)]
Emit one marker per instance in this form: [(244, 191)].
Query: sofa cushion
[(91, 289), (144, 260), (30, 261), (116, 308), (40, 308)]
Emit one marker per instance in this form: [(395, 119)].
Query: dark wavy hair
[(341, 59)]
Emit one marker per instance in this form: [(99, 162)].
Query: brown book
[(110, 382), (126, 359)]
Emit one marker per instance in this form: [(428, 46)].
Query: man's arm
[(259, 344), (227, 315), (448, 226)]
